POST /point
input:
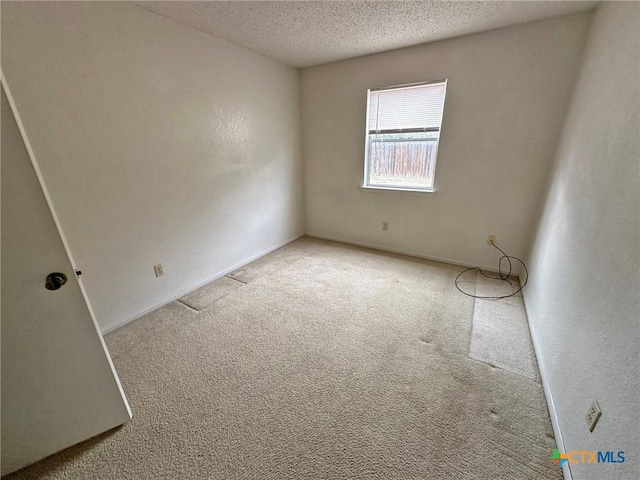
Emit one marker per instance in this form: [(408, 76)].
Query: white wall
[(158, 143), (507, 95), (583, 298)]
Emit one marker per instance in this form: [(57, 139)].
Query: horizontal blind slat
[(407, 107)]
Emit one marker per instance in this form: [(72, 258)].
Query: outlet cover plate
[(159, 270), (593, 415)]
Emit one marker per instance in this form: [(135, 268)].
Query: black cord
[(502, 276)]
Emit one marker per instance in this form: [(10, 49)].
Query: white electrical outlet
[(491, 239), (159, 270), (385, 226), (593, 415)]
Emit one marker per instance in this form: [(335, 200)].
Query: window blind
[(406, 109)]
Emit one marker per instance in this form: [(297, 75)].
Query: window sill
[(398, 189)]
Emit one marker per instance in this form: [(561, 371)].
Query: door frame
[(45, 191)]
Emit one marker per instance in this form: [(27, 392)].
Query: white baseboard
[(186, 291), (557, 433), (450, 261)]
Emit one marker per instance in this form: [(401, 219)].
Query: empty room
[(320, 240)]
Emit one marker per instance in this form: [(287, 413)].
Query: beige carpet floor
[(325, 361)]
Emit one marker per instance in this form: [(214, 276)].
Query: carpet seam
[(188, 306)]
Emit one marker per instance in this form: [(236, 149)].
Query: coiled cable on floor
[(502, 276)]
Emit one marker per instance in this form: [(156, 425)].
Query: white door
[(58, 383)]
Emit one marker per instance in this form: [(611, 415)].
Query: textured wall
[(158, 143), (507, 95), (584, 292)]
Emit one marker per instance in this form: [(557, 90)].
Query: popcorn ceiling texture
[(303, 34), (331, 362)]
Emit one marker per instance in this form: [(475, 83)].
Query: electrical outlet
[(159, 270), (491, 239), (385, 226), (593, 415)]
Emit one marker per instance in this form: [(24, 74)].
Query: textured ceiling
[(306, 33)]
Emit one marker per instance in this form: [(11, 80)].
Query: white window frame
[(366, 183)]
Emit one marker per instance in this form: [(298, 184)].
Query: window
[(403, 132)]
